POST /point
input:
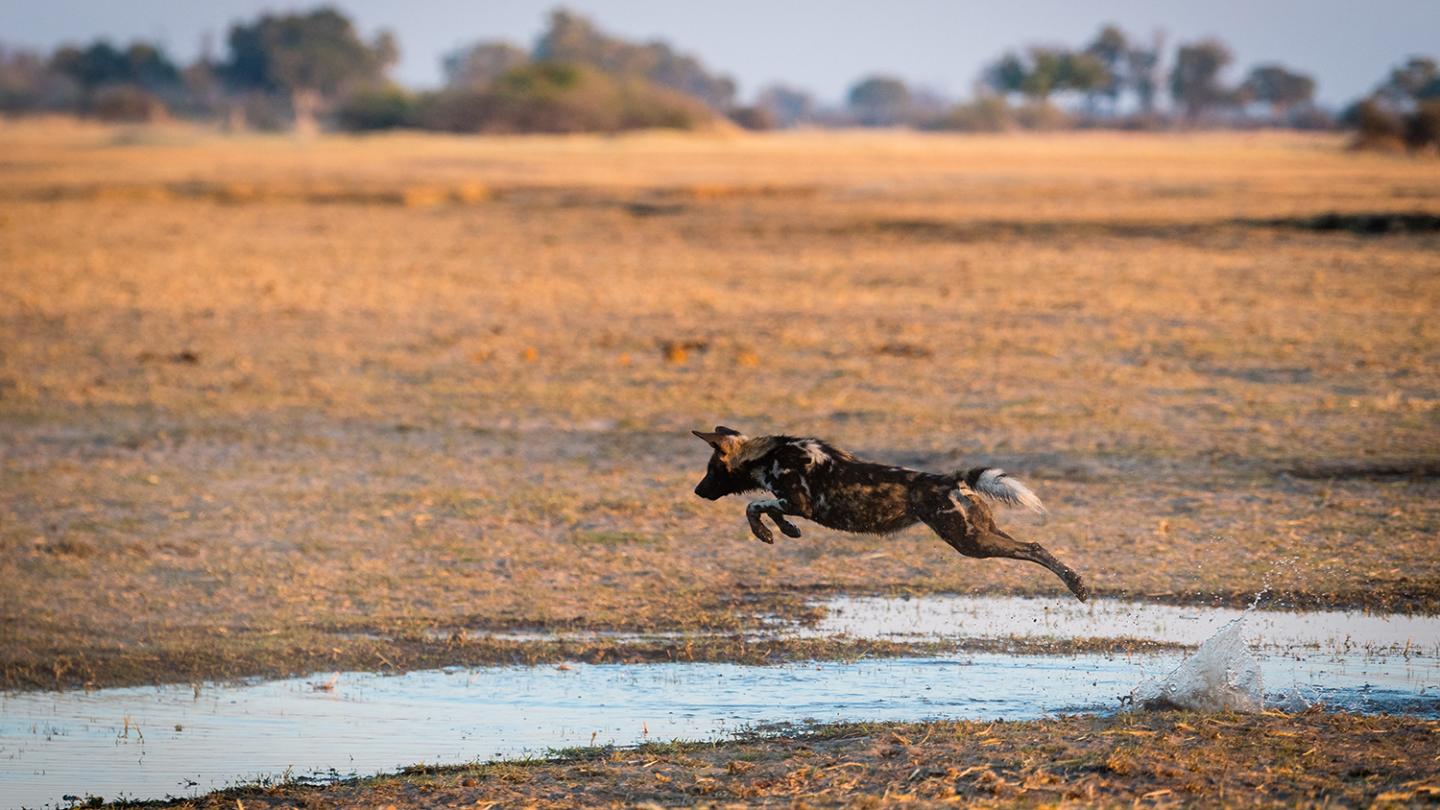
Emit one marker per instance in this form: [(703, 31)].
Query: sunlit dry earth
[(271, 406)]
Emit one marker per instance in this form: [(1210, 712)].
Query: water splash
[(1223, 675), (1290, 563)]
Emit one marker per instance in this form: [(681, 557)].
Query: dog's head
[(723, 476)]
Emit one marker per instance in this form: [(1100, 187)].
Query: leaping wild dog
[(812, 480)]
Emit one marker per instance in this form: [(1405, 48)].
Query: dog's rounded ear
[(712, 439), (725, 431)]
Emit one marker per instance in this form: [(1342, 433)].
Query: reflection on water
[(932, 617)]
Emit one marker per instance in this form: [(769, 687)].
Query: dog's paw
[(763, 535), (790, 529)]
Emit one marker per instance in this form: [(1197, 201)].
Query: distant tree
[(29, 82), (1006, 75), (1279, 87), (1143, 66), (786, 106), (204, 93), (1044, 71), (119, 84), (1195, 81), (142, 65), (561, 97), (312, 58), (1129, 66), (150, 67), (1084, 73), (1415, 78), (482, 63), (575, 39), (1112, 48), (879, 100), (100, 63)]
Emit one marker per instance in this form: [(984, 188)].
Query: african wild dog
[(813, 480)]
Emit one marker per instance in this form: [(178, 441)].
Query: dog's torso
[(843, 492)]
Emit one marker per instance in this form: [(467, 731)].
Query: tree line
[(310, 69)]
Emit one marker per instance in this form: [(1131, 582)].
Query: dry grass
[(269, 406), (1150, 760)]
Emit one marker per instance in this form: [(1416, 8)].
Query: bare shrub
[(1376, 126), (127, 103), (984, 114), (1422, 127)]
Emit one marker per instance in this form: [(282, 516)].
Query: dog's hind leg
[(1000, 544), (985, 542)]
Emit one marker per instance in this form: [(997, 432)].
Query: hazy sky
[(821, 45)]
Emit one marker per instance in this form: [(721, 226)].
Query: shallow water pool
[(152, 742)]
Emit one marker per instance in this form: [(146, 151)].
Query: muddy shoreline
[(1168, 758), (393, 656), (304, 651)]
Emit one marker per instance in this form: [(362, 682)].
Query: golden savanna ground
[(271, 406)]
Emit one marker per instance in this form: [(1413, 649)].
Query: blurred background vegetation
[(311, 70)]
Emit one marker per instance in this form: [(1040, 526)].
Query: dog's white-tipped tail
[(994, 484)]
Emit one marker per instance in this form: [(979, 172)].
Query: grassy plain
[(270, 406)]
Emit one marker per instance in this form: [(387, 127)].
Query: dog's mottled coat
[(813, 480)]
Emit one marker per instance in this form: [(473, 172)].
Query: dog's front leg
[(775, 508)]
